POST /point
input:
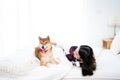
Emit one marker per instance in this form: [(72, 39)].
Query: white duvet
[(24, 66)]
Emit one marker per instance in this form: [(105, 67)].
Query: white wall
[(68, 22)]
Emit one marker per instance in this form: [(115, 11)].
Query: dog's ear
[(48, 37), (39, 38)]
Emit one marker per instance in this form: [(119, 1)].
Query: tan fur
[(45, 57)]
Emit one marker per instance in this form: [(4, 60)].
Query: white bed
[(24, 66)]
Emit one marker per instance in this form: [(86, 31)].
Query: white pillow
[(115, 46)]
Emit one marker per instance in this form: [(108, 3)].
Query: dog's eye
[(45, 42)]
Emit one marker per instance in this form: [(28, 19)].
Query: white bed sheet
[(108, 66), (24, 66)]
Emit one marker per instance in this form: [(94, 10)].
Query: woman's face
[(76, 55)]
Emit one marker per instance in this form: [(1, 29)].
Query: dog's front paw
[(57, 62), (54, 62), (43, 64)]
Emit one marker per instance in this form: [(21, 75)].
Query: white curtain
[(8, 29), (22, 21), (15, 25)]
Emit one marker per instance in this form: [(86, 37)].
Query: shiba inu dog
[(44, 51)]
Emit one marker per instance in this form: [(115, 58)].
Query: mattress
[(108, 67)]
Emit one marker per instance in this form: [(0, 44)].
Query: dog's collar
[(43, 50)]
